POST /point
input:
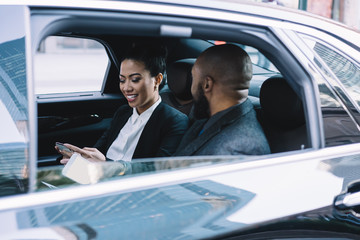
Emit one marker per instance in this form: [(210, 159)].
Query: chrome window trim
[(32, 107), (139, 183)]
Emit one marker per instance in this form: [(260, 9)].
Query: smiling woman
[(145, 127)]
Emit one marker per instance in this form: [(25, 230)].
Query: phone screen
[(62, 147)]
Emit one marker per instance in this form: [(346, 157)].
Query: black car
[(59, 66)]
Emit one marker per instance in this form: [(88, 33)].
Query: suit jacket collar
[(148, 131), (120, 124), (195, 142)]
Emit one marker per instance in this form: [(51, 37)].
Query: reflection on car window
[(346, 71), (65, 64), (13, 105), (339, 124), (54, 177), (339, 128)]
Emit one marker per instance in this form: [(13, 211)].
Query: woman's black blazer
[(160, 137)]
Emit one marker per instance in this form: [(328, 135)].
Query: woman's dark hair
[(153, 57)]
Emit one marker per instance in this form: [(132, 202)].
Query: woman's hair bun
[(152, 54)]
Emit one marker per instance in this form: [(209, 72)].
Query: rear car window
[(68, 64), (344, 69), (340, 116)]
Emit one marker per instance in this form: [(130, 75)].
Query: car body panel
[(206, 201)]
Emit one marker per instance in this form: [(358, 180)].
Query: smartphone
[(62, 147)]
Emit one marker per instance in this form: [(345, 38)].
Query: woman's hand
[(91, 154), (66, 154)]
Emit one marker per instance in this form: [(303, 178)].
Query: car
[(59, 66)]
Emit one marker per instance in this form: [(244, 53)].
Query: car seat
[(282, 116), (179, 79)]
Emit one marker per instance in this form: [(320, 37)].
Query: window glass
[(345, 70), (259, 59), (66, 64), (89, 173), (339, 121), (13, 103), (339, 127)]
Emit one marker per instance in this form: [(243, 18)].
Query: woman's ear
[(158, 80)]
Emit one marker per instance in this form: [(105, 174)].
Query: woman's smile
[(131, 97), (137, 85)]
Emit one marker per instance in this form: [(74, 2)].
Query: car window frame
[(263, 35)]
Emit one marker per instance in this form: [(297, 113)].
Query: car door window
[(339, 94), (345, 70), (68, 64)]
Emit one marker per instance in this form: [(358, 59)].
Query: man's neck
[(223, 105)]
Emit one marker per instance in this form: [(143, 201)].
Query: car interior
[(80, 118)]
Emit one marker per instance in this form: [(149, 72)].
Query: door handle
[(349, 201)]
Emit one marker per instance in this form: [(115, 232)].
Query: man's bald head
[(227, 64)]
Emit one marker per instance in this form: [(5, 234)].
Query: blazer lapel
[(192, 140), (148, 134), (195, 142), (120, 123)]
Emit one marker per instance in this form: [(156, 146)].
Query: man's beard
[(201, 105)]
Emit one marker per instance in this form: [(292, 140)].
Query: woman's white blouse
[(124, 145)]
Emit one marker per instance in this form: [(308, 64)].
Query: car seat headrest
[(179, 78), (280, 104)]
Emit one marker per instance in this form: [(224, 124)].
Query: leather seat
[(282, 116), (179, 79)]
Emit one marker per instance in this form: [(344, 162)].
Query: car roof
[(274, 14), (242, 6)]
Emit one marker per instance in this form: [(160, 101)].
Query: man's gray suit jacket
[(236, 132)]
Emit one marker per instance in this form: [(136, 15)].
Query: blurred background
[(344, 11)]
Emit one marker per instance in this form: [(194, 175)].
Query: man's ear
[(208, 84)]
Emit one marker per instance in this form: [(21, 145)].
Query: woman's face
[(137, 85)]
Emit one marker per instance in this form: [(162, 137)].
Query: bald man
[(227, 123)]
